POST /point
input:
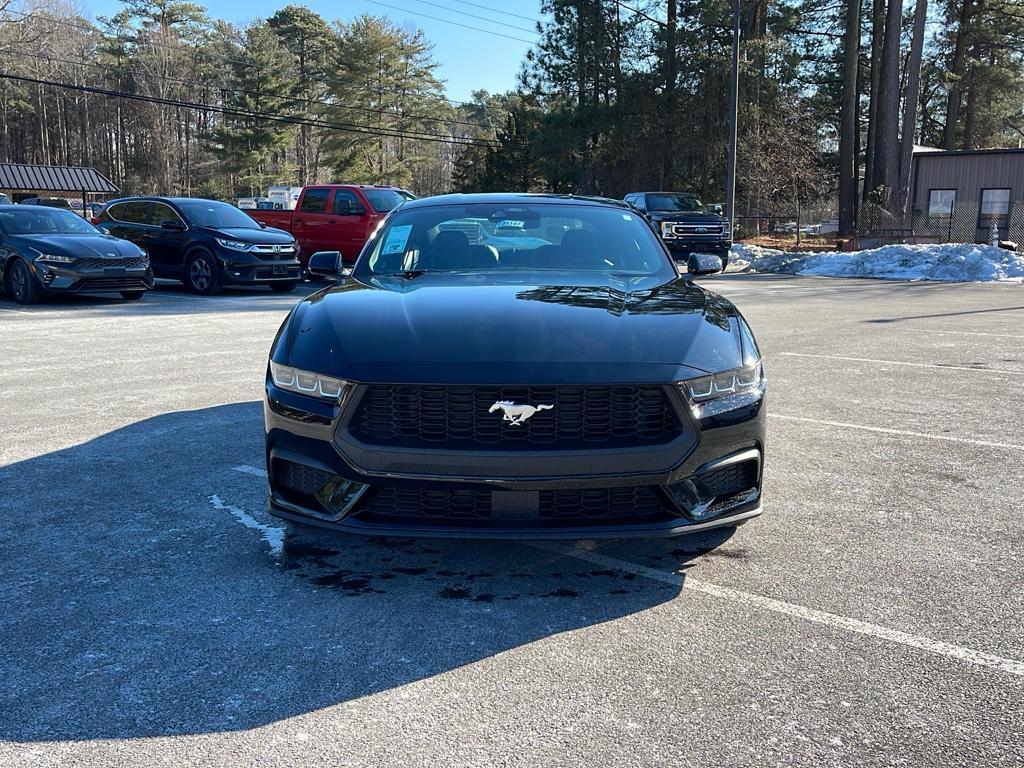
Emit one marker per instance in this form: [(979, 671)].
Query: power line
[(495, 10), (454, 23), (221, 87), (236, 112), (475, 16), (638, 12)]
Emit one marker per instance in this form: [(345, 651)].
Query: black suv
[(204, 243), (685, 223)]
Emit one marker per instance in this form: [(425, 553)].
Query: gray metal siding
[(968, 174)]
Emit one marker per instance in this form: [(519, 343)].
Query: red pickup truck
[(334, 217)]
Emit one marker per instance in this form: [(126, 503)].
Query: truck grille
[(460, 417), (672, 229)]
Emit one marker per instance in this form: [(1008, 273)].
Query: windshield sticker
[(511, 224), (626, 217), (396, 240)]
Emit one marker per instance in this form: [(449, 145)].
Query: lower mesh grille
[(113, 284), (599, 503), (125, 262), (443, 504), (301, 478), (730, 479), (563, 506)]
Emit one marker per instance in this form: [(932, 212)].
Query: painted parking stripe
[(900, 432), (967, 333), (903, 362), (938, 647), (244, 468)]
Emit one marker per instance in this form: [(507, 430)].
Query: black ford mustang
[(515, 366), (47, 250)]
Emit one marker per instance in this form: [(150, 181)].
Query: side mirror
[(326, 264), (172, 225), (716, 208), (703, 264)]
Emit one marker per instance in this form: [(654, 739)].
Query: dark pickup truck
[(685, 223), (334, 217)]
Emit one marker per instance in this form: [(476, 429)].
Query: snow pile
[(950, 261)]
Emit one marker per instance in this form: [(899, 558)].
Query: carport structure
[(17, 177)]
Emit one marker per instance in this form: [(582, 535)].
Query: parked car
[(47, 251), (205, 243), (48, 202), (572, 383), (335, 217), (685, 223), (5, 199)]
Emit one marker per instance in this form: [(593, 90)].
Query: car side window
[(640, 203), (315, 201), (162, 213), (116, 212), (135, 213), (347, 204)]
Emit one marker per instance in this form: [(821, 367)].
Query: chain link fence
[(963, 224)]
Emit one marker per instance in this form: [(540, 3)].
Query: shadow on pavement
[(142, 600)]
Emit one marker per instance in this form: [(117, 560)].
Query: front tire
[(22, 285), (202, 275), (284, 287), (132, 295)]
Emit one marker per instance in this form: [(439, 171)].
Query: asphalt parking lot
[(154, 614)]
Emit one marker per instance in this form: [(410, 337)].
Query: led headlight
[(54, 258), (726, 391), (307, 383), (235, 245)]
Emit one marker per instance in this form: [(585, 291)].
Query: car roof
[(510, 198), (656, 192)]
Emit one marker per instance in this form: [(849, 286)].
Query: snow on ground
[(951, 261)]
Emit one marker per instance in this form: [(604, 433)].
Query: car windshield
[(384, 200), (516, 236), (39, 220), (215, 215), (675, 203)]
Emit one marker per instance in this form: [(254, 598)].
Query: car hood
[(450, 329), (268, 236), (91, 245)]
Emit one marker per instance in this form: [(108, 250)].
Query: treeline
[(615, 96), (166, 99), (627, 96)]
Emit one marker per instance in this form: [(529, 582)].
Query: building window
[(995, 203), (940, 202)]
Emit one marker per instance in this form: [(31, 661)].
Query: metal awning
[(53, 178)]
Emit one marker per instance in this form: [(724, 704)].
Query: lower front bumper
[(56, 280), (665, 529), (260, 272)]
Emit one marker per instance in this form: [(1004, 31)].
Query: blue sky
[(469, 59)]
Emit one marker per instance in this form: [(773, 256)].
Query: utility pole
[(734, 103)]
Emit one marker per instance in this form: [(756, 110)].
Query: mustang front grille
[(468, 417)]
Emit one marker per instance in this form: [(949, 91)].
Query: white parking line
[(938, 647), (902, 362), (271, 534), (967, 333), (251, 470), (901, 432)]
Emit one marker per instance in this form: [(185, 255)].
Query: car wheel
[(22, 284), (202, 275), (132, 295), (284, 287)]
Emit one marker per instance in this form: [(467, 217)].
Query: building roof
[(53, 178), (932, 152)]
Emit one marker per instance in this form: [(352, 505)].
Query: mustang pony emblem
[(517, 414)]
